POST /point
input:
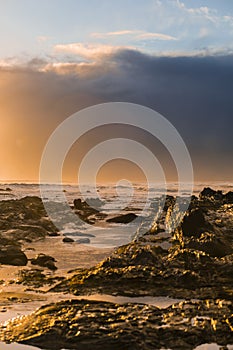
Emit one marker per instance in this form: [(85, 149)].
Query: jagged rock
[(24, 219), (195, 223), (210, 244), (86, 325), (84, 211), (209, 192)]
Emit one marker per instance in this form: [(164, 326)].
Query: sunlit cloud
[(134, 34), (156, 36), (117, 33), (81, 69), (89, 51), (204, 12), (42, 38)]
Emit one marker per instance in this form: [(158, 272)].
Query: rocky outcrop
[(88, 212), (84, 325), (196, 263), (24, 219)]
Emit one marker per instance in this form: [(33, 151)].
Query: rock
[(24, 219), (123, 219), (37, 278), (210, 193), (210, 244), (12, 255), (83, 324), (194, 223), (78, 204), (67, 240), (84, 211), (83, 205), (44, 261), (79, 234), (53, 234), (83, 240), (229, 197)]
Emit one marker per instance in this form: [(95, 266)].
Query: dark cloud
[(194, 93)]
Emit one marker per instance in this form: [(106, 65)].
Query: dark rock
[(195, 223), (210, 244), (86, 325), (78, 234), (85, 211), (44, 261), (24, 219), (229, 197), (78, 204), (67, 240), (210, 193), (12, 255), (53, 234), (37, 278), (123, 219)]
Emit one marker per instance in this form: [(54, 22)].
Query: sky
[(57, 57)]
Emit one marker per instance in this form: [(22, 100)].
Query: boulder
[(78, 204), (44, 260), (12, 255), (67, 240)]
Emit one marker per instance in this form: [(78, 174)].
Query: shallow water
[(15, 346), (115, 200), (161, 302)]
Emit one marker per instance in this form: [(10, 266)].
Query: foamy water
[(111, 199)]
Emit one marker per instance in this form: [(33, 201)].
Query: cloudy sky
[(59, 56)]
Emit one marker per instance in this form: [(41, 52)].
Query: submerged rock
[(83, 240), (37, 278)]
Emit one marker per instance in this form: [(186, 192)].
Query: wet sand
[(16, 300)]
